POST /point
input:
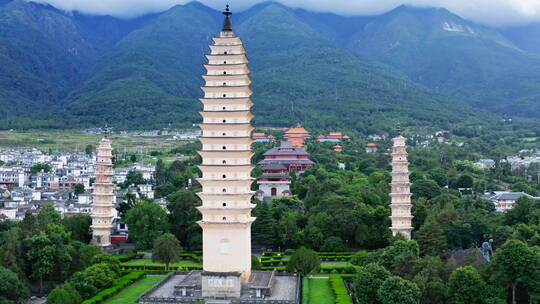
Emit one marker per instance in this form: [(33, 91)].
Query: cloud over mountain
[(489, 12)]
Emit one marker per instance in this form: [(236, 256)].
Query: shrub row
[(159, 267), (305, 290), (120, 284), (278, 269), (147, 271), (273, 262), (337, 258), (129, 256), (270, 258), (190, 256), (340, 290), (335, 253), (338, 269)]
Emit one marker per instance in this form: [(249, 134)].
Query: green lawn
[(320, 292), (148, 262), (131, 294)]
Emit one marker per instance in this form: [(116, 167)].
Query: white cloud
[(489, 12)]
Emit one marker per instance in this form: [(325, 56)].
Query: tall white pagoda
[(401, 190), (226, 166), (103, 196)]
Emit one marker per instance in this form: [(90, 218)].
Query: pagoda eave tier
[(227, 90), (218, 154), (229, 40), (219, 225), (232, 58), (232, 168), (225, 210), (227, 77), (227, 114), (226, 196), (207, 128), (402, 217), (224, 140), (228, 182)]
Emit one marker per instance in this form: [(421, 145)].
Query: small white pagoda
[(401, 190), (103, 196)]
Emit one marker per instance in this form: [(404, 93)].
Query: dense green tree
[(12, 289), (40, 167), (515, 263), (160, 176), (360, 258), (89, 149), (111, 261), (146, 222), (367, 283), (79, 227), (12, 250), (47, 215), (79, 189), (466, 286), (333, 244), (304, 261), (263, 230), (134, 177), (183, 217), (431, 239), (390, 253), (255, 263), (396, 290), (82, 255), (128, 203), (431, 279), (64, 295), (166, 250), (60, 240), (41, 257), (287, 230), (425, 188), (465, 181)]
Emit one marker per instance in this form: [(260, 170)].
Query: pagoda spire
[(227, 23)]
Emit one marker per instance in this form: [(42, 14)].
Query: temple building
[(274, 182), (103, 196), (372, 148), (293, 158), (400, 194), (338, 148), (333, 137), (297, 136), (261, 137)]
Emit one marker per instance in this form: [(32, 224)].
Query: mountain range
[(414, 66)]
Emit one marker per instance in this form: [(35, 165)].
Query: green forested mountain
[(526, 37), (454, 57), (365, 73)]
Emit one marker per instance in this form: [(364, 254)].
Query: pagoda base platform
[(262, 287)]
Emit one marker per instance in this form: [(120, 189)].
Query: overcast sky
[(488, 12)]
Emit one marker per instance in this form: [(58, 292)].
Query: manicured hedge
[(190, 256), (338, 269), (158, 267), (305, 290), (129, 256), (278, 269), (340, 290), (121, 283)]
